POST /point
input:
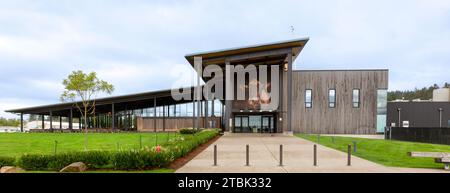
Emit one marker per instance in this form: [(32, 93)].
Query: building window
[(332, 98), (381, 109), (355, 98), (308, 98)]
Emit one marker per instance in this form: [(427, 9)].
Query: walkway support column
[(212, 108), (51, 120), (60, 122), (229, 89), (289, 90), (113, 117), (43, 123), (21, 122), (71, 120), (154, 114), (164, 118), (207, 114), (198, 65), (193, 112)]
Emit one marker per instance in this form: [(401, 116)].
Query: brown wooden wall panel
[(343, 119), (171, 123)]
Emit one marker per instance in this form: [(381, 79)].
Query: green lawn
[(385, 152), (162, 170), (16, 144)]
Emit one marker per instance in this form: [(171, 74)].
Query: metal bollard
[(315, 155), (215, 155), (281, 155), (354, 146), (247, 156), (56, 147), (349, 155)]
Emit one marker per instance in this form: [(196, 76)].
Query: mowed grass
[(386, 152), (16, 144), (162, 170)]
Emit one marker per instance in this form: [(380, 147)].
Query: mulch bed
[(180, 162)]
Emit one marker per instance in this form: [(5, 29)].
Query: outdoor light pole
[(440, 116)]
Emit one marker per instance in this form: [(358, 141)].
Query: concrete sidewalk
[(264, 157)]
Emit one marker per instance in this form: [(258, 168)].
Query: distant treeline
[(426, 93), (9, 122)]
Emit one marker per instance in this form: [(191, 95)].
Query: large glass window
[(381, 109), (355, 98), (332, 98), (308, 98)]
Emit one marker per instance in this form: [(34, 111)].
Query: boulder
[(11, 169), (75, 167)]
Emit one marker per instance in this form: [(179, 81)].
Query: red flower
[(158, 149)]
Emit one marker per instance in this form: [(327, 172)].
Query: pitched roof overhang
[(248, 52), (271, 53)]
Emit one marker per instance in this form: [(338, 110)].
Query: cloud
[(139, 45)]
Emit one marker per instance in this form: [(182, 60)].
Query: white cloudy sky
[(140, 45)]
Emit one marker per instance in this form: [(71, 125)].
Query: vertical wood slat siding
[(343, 119), (171, 123)]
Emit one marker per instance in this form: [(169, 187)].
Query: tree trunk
[(85, 129)]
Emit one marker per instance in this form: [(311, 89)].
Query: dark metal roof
[(248, 49), (163, 97), (143, 100)]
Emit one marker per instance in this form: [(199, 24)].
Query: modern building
[(307, 101), (425, 114)]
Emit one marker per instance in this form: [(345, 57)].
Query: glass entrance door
[(254, 124)]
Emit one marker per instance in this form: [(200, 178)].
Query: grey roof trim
[(337, 70), (246, 47)]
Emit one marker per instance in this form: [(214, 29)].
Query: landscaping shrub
[(93, 159), (34, 162), (141, 159), (188, 131), (7, 161)]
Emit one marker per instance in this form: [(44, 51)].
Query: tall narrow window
[(332, 98), (308, 98), (356, 98), (381, 109)]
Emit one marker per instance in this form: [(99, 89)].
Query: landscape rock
[(11, 169), (75, 167)]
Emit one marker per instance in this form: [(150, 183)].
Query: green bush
[(93, 159), (188, 131), (34, 162), (7, 161), (122, 160), (141, 159)]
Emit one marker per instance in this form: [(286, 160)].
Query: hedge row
[(6, 161), (124, 159)]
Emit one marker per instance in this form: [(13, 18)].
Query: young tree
[(82, 89)]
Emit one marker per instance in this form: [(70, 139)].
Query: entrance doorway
[(254, 124)]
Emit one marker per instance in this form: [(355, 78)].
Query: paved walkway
[(264, 157)]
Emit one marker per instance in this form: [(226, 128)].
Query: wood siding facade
[(343, 118)]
